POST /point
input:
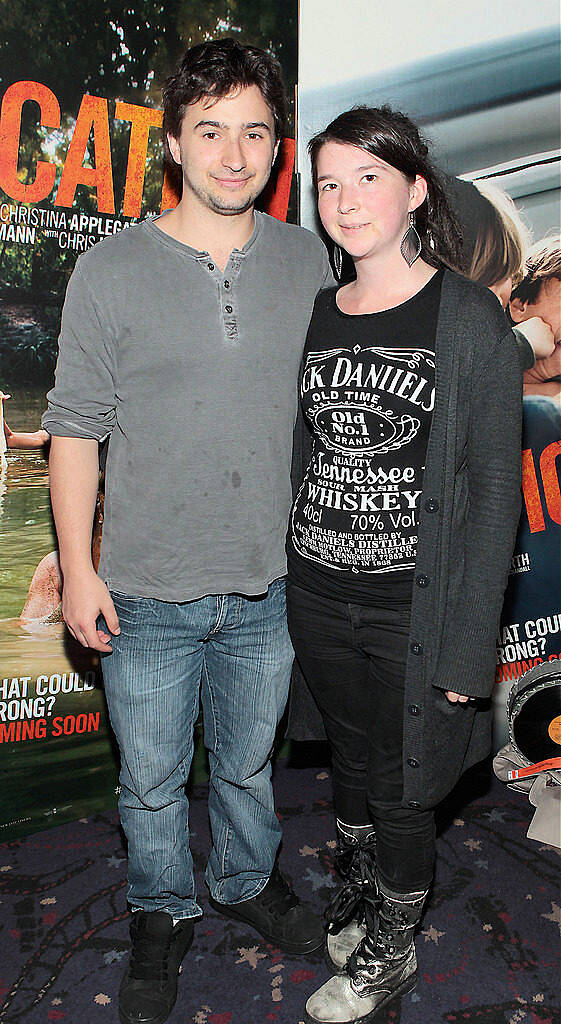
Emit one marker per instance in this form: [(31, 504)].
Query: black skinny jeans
[(353, 658)]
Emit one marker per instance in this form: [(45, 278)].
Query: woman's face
[(364, 202)]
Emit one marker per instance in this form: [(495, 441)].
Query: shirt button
[(413, 709), (422, 581), (431, 505), (226, 284), (414, 803), (210, 266), (417, 648), (228, 309), (412, 762)]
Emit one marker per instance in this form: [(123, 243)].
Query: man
[(539, 295), (181, 340)]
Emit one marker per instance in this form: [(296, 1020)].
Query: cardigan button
[(431, 505), (414, 709), (210, 266), (414, 804), (412, 762), (422, 581), (416, 648)]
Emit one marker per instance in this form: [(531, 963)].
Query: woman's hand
[(456, 698)]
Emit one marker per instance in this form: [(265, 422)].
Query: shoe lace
[(149, 959), (357, 899), (278, 898)]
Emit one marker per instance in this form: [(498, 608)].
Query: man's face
[(547, 306), (226, 150)]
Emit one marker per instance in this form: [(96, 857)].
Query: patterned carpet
[(488, 949)]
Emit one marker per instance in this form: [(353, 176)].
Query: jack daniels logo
[(370, 412)]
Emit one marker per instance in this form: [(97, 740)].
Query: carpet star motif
[(101, 999), (321, 776), (331, 844), (318, 881), (473, 844), (57, 1001), (250, 956), (487, 927), (113, 955), (555, 915), (495, 815), (6, 867), (48, 900), (539, 997), (113, 861), (201, 1016), (309, 851), (483, 864), (459, 822), (432, 935)]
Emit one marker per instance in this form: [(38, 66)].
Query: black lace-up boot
[(149, 987), (277, 914), (345, 916), (382, 967)]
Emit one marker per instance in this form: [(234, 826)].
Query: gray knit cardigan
[(470, 509)]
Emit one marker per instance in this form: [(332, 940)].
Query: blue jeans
[(236, 654)]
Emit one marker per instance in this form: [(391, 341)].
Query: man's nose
[(233, 155)]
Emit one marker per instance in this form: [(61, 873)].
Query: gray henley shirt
[(193, 375)]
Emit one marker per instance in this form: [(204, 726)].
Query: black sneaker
[(149, 987), (278, 916)]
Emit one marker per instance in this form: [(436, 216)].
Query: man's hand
[(456, 698), (84, 598)]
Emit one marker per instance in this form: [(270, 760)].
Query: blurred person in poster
[(181, 340), (18, 438), (400, 537), (536, 592), (497, 262), (538, 294)]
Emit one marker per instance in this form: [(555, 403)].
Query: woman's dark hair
[(215, 69), (393, 137)]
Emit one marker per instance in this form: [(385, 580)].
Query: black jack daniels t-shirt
[(367, 393)]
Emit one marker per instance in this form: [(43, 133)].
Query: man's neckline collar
[(162, 236)]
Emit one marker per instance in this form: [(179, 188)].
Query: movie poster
[(80, 160), (485, 91), (531, 622)]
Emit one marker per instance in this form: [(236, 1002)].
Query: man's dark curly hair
[(215, 69)]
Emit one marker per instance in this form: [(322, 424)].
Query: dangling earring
[(410, 247), (338, 261)]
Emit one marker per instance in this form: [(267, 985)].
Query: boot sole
[(403, 989), (226, 910), (162, 1017)]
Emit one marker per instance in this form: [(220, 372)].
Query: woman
[(400, 536)]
